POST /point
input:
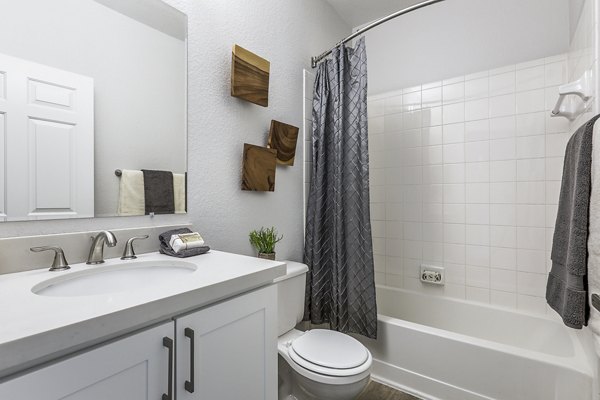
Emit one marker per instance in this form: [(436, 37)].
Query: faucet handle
[(60, 262), (128, 252)]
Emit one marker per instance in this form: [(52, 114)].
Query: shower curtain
[(338, 247)]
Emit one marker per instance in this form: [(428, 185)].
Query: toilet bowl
[(319, 363)]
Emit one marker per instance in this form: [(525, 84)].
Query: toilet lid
[(330, 349)]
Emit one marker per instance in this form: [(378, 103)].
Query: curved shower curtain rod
[(315, 60)]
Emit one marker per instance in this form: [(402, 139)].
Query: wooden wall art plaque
[(249, 76), (259, 166), (283, 138)]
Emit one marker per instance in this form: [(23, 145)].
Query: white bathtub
[(438, 348)]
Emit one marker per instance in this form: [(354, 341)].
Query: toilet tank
[(290, 296)]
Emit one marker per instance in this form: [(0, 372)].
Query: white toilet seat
[(329, 353), (319, 373)]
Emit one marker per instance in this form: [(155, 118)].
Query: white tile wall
[(465, 174)]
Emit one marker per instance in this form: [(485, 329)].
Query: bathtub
[(439, 348)]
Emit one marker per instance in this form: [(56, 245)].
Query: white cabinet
[(230, 346), (232, 349), (133, 368)]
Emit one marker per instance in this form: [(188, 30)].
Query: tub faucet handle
[(59, 263)]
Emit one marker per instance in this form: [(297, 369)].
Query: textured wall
[(286, 32)]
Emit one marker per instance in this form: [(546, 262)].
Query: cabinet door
[(133, 368), (235, 349)]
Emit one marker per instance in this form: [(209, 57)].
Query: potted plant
[(264, 241)]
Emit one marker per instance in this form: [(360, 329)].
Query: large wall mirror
[(93, 106)]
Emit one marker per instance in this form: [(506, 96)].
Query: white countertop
[(35, 328)]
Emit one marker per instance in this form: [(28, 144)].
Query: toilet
[(319, 363)]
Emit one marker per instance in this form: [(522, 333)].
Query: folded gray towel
[(566, 290), (165, 248), (158, 192)]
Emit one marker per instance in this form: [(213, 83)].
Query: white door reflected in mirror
[(47, 123)]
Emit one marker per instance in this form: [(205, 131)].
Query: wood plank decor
[(283, 138), (249, 76), (259, 168)]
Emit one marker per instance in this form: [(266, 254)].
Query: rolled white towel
[(185, 241)]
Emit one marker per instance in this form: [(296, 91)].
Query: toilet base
[(293, 386)]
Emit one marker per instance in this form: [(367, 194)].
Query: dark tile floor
[(377, 391)]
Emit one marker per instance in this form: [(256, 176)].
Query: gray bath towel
[(158, 192), (165, 247), (566, 291)]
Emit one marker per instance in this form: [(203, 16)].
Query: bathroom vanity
[(152, 328)]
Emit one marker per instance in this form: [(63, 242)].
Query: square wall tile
[(502, 84), (531, 147), (454, 133), (478, 235), (531, 169), (477, 130), (503, 127), (477, 109), (477, 88), (477, 172), (531, 78), (503, 171), (453, 113), (478, 193), (501, 106), (477, 214), (477, 151), (453, 93), (502, 149), (431, 97), (476, 294), (477, 276), (502, 279)]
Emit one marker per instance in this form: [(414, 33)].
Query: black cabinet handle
[(168, 343), (189, 385)]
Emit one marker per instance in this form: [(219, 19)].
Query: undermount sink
[(115, 278)]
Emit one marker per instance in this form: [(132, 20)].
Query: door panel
[(49, 152)]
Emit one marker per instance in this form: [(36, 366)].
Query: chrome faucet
[(96, 255)]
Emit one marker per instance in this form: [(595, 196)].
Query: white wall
[(583, 55), (459, 37), (139, 78), (286, 32)]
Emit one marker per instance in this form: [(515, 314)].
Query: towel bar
[(118, 172), (580, 88)]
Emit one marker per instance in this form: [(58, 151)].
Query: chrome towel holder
[(581, 88)]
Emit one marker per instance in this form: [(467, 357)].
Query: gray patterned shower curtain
[(338, 247)]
